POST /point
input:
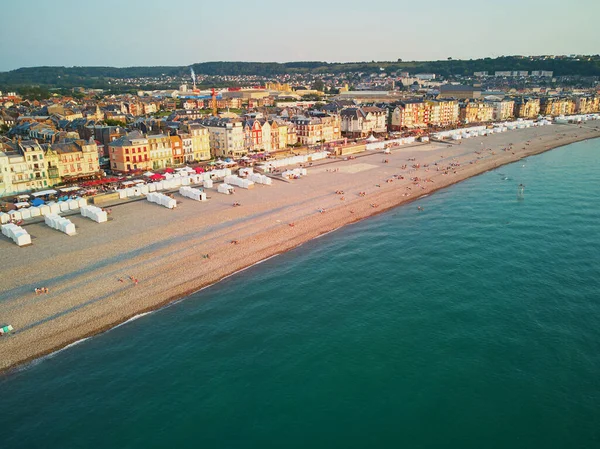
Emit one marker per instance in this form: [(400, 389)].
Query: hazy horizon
[(153, 33)]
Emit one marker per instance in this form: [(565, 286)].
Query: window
[(126, 150)]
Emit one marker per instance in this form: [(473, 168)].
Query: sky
[(125, 33)]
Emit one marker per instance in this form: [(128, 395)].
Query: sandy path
[(164, 249)]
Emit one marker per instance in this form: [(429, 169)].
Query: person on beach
[(120, 280)]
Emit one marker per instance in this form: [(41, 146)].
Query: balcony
[(53, 173)]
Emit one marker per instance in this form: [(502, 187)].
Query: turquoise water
[(472, 324)]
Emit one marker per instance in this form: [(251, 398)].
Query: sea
[(472, 323)]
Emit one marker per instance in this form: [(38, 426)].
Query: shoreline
[(269, 250)]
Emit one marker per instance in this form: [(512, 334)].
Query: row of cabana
[(192, 193), (16, 233), (59, 223), (294, 173), (205, 179), (256, 178), (577, 118), (268, 166), (94, 213), (478, 131), (239, 182), (380, 145), (162, 200), (43, 210)]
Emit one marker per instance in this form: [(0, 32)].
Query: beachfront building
[(52, 164), (22, 167), (266, 135), (557, 106), (308, 129), (5, 175), (274, 135), (161, 153), (362, 122), (36, 163), (130, 153), (280, 128), (330, 127), (410, 114), (200, 142), (73, 160), (528, 108), (188, 148), (587, 104), (476, 112), (502, 109), (177, 150), (226, 136), (443, 112), (292, 134), (253, 135)]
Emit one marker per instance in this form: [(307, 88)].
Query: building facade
[(227, 138), (161, 153), (476, 112), (130, 153), (528, 108), (443, 112), (503, 109), (409, 115)]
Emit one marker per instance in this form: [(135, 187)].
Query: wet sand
[(165, 249)]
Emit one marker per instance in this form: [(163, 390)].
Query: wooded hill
[(99, 77)]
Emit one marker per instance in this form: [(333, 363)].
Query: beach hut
[(54, 208), (4, 218), (15, 215), (25, 213), (35, 211), (225, 189), (64, 206)]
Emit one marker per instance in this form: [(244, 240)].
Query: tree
[(399, 59), (111, 122), (318, 85), (449, 58)]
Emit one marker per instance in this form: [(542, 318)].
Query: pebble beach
[(173, 253)]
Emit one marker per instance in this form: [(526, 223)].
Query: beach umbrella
[(156, 177), (37, 202), (199, 170), (169, 170)]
